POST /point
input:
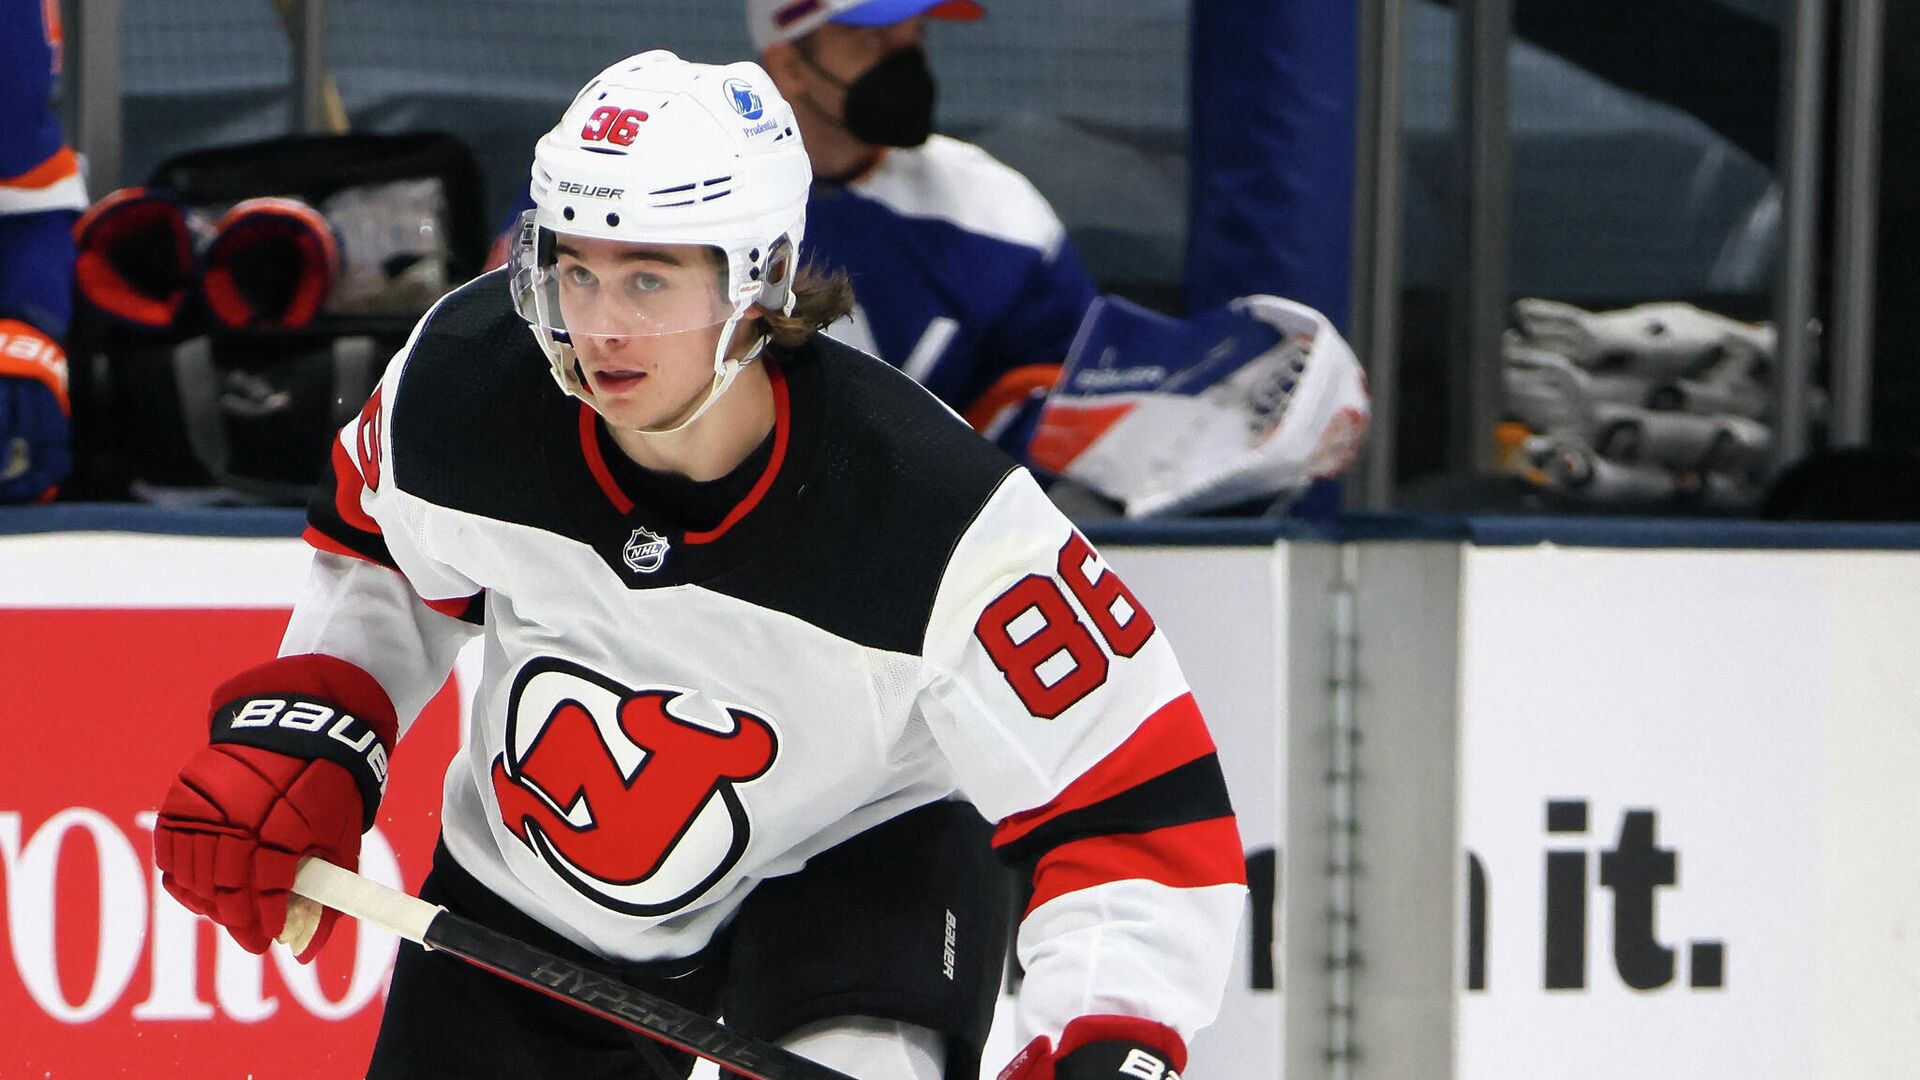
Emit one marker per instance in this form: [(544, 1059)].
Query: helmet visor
[(570, 286)]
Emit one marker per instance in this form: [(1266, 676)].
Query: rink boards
[(1619, 803)]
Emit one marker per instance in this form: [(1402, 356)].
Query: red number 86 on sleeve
[(1061, 643)]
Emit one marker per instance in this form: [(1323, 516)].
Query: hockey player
[(40, 196), (770, 638), (975, 289)]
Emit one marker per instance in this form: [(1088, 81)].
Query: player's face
[(644, 320)]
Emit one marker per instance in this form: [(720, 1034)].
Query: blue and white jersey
[(40, 187), (963, 272)]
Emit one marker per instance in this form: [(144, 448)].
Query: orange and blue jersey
[(40, 187), (40, 197)]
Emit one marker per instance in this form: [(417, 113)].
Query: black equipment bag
[(392, 200), (206, 413)]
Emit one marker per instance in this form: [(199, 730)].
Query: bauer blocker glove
[(295, 766)]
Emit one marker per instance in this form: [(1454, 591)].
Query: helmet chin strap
[(566, 370), (726, 369)]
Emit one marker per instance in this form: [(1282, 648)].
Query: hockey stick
[(510, 958), (330, 100)]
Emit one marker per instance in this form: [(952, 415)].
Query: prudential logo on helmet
[(745, 101)]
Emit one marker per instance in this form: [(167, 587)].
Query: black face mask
[(891, 103)]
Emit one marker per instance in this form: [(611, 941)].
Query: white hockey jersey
[(891, 613)]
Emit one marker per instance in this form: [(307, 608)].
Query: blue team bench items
[(1514, 531), (1481, 531), (142, 518)]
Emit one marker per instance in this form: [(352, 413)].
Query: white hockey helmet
[(660, 150)]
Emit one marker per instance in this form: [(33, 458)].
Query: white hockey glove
[(1656, 404), (1653, 341)]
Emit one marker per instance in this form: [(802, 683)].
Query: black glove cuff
[(304, 726)]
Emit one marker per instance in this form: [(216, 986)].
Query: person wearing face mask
[(968, 281)]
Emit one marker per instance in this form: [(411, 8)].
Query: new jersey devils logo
[(627, 794)]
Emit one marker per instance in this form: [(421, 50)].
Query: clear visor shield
[(584, 286)]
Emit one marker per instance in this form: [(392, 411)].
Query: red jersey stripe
[(348, 487), (457, 607), (1173, 736), (590, 449), (317, 539), (782, 426), (1183, 856)]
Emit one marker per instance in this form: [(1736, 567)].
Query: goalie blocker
[(1255, 399)]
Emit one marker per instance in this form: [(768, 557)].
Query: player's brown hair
[(819, 299)]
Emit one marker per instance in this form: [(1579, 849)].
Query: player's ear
[(748, 331)]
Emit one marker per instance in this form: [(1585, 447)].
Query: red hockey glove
[(296, 765), (1103, 1048), (271, 264), (135, 258)]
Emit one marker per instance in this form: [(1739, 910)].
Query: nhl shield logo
[(645, 551)]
